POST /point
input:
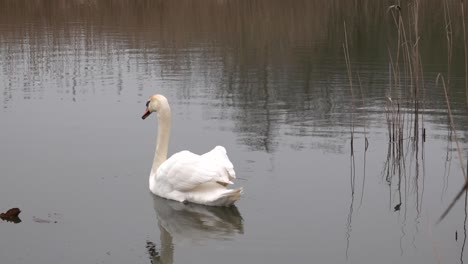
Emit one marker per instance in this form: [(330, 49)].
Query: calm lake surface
[(267, 80)]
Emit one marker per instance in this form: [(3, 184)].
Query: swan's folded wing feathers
[(186, 170), (219, 154)]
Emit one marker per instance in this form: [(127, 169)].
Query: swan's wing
[(220, 155), (185, 171)]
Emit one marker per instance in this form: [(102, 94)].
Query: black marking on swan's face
[(147, 111)]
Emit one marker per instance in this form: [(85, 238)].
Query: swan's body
[(185, 176)]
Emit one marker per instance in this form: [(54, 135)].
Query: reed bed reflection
[(261, 40)]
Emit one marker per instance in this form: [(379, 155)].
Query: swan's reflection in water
[(191, 223)]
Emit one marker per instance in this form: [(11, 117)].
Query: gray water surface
[(265, 79)]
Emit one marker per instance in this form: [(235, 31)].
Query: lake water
[(267, 80)]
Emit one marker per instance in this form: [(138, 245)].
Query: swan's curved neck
[(162, 143)]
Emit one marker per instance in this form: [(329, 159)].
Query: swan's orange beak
[(146, 114)]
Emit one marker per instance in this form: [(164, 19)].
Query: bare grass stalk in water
[(395, 118), (366, 141), (405, 98), (350, 77), (465, 48), (448, 34), (452, 125)]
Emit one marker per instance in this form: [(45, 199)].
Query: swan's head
[(156, 103)]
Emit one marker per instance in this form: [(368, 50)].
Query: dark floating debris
[(397, 207), (11, 215), (152, 252)]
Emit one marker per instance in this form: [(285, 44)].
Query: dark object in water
[(397, 207), (11, 215), (153, 253)]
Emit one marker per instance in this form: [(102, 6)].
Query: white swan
[(185, 176)]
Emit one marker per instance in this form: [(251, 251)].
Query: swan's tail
[(228, 198)]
